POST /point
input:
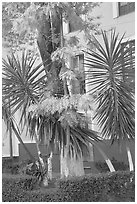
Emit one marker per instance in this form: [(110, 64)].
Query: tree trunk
[(64, 171), (10, 136), (44, 41), (76, 167), (42, 165), (50, 166), (48, 28), (130, 161), (11, 146), (70, 165)]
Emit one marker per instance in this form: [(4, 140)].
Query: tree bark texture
[(41, 162), (45, 37), (70, 165), (50, 166)]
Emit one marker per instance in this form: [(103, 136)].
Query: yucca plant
[(22, 85), (115, 97), (21, 82)]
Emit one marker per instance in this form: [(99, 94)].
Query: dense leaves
[(22, 82), (116, 186), (22, 20), (110, 187), (114, 96), (51, 118)]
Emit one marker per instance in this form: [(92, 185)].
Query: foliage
[(8, 163), (22, 83), (21, 20), (14, 166), (116, 186), (53, 104), (114, 96), (11, 39), (51, 118), (20, 188), (22, 182)]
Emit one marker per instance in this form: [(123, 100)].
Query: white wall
[(6, 142), (125, 23)]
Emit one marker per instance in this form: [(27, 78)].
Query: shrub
[(20, 181), (23, 188), (116, 186), (13, 166), (106, 187)]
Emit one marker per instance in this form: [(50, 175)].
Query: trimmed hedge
[(24, 188), (15, 186), (108, 187), (116, 186), (14, 166)]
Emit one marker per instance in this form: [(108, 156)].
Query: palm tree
[(67, 77), (114, 95), (60, 126)]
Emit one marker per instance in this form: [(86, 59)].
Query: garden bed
[(103, 187)]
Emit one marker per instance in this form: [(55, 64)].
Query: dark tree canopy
[(24, 22), (37, 26)]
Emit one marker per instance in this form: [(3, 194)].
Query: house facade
[(118, 15), (113, 15)]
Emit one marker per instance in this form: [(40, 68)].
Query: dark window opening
[(126, 7), (71, 27), (78, 62), (78, 66)]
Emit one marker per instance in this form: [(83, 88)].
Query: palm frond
[(115, 97), (21, 82), (54, 116)]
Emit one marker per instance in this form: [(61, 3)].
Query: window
[(77, 63), (129, 71), (126, 7), (75, 24), (71, 27)]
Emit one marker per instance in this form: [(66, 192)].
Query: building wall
[(114, 151), (108, 19), (6, 142), (5, 138)]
